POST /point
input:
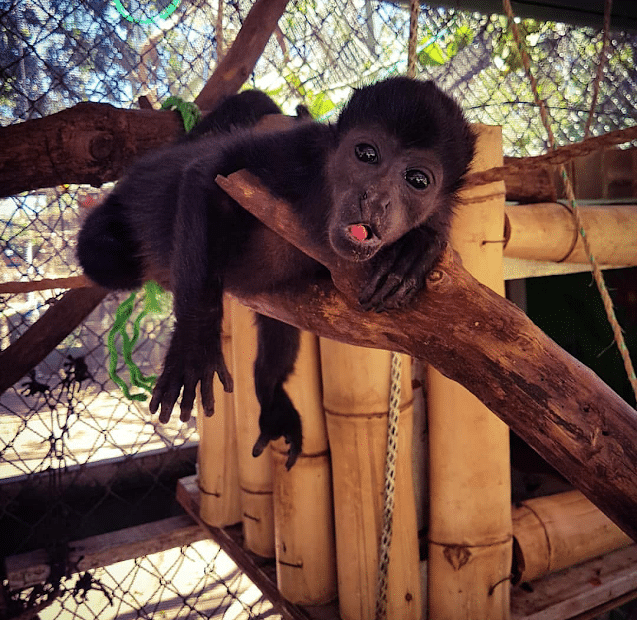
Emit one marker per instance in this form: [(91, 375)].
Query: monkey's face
[(380, 191)]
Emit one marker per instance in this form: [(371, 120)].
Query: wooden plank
[(597, 583), (261, 571), (47, 332), (30, 568)]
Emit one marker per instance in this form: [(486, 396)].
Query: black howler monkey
[(378, 185)]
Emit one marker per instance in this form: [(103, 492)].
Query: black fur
[(242, 110), (378, 186)]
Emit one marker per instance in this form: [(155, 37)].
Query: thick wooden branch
[(94, 142), (482, 341), (47, 332), (89, 143)]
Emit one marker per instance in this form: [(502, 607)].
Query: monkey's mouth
[(356, 242), (361, 233)]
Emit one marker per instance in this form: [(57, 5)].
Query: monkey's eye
[(366, 153), (417, 179)]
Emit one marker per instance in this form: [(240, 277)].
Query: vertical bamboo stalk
[(218, 472), (255, 475), (356, 398), (303, 510), (470, 514), (558, 531)]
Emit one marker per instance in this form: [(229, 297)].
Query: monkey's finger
[(293, 453), (224, 376), (188, 396), (260, 444), (168, 397), (207, 395)]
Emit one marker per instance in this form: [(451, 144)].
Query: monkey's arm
[(194, 353)]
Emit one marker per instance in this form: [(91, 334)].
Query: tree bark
[(482, 341), (89, 143)]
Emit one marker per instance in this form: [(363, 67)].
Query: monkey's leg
[(278, 346)]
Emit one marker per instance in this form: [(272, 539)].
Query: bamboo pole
[(255, 475), (217, 471), (558, 531), (303, 507), (470, 510), (547, 231), (356, 398)]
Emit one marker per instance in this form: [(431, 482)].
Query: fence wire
[(76, 458)]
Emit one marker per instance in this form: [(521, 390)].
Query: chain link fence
[(77, 458)]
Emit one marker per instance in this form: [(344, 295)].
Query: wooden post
[(255, 475), (218, 473), (356, 398), (558, 531), (470, 512), (547, 231), (303, 507)]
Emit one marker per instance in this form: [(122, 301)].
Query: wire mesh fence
[(76, 457)]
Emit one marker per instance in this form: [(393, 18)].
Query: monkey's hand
[(193, 356), (400, 270)]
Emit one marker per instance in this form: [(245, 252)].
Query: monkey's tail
[(107, 249)]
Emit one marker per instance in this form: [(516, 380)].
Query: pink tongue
[(358, 231)]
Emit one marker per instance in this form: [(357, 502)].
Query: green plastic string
[(152, 303), (190, 114), (153, 295)]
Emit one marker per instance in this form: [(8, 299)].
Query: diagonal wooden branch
[(47, 332), (482, 341), (236, 66)]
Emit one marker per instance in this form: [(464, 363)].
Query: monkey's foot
[(280, 420)]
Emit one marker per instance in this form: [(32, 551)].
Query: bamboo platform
[(582, 592), (578, 593)]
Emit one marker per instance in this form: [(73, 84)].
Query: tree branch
[(89, 143), (47, 332), (239, 62), (482, 341)]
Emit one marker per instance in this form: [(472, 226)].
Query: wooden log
[(547, 232), (47, 332), (534, 185), (470, 540), (94, 142), (356, 385), (306, 556), (558, 531), (218, 468), (236, 66), (34, 567), (89, 143), (255, 475), (472, 335), (45, 284)]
